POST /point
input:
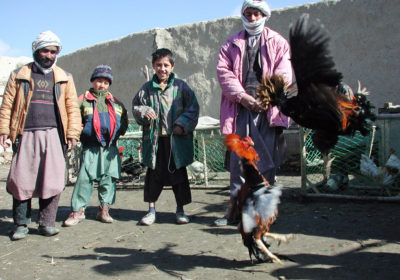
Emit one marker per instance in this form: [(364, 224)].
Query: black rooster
[(321, 102), (132, 167)]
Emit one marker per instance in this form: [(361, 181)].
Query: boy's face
[(101, 83), (163, 68)]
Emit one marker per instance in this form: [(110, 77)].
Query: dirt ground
[(334, 240)]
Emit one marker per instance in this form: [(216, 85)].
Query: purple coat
[(275, 59)]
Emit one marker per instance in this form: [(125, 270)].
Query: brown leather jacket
[(17, 96)]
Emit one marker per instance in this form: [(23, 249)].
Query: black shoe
[(48, 231)]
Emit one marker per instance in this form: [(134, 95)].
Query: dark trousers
[(22, 210), (181, 191), (166, 174)]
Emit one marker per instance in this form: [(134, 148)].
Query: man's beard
[(43, 61)]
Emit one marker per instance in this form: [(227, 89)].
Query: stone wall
[(8, 64), (364, 44)]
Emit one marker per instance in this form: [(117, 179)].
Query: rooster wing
[(316, 105)]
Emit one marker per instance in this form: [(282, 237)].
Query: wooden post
[(204, 160), (372, 141), (303, 166)]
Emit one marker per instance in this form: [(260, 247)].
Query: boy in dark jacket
[(104, 119), (168, 110)]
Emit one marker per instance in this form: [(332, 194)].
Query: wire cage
[(209, 154), (358, 166)]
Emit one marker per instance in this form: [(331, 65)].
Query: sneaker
[(148, 219), (48, 231), (74, 218), (181, 218), (221, 222), (20, 233)]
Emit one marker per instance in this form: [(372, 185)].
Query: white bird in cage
[(385, 174), (196, 170)]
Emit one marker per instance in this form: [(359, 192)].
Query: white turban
[(46, 39), (255, 28), (257, 4)]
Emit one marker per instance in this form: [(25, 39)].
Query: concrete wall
[(7, 65), (364, 43)]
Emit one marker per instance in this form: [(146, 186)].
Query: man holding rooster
[(244, 59)]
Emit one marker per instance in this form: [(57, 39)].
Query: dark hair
[(160, 53)]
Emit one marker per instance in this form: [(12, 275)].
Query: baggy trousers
[(84, 188), (22, 210)]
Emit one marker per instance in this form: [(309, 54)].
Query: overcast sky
[(82, 23)]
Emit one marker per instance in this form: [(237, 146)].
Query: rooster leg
[(327, 165), (264, 249), (279, 237)]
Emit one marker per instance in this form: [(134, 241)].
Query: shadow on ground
[(349, 265), (120, 260)]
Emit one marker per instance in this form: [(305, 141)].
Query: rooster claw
[(279, 237), (286, 239), (276, 260)]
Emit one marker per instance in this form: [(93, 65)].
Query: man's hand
[(177, 130), (150, 115), (252, 104), (72, 143), (3, 139)]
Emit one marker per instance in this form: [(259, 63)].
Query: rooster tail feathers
[(272, 90)]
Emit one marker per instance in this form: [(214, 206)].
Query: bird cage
[(209, 150), (358, 166)]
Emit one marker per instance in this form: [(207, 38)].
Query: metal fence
[(209, 154)]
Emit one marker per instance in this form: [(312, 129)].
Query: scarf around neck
[(254, 28), (46, 70), (101, 98)]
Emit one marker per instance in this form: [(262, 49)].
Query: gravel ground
[(334, 240)]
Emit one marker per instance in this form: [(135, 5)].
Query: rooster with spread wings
[(321, 101)]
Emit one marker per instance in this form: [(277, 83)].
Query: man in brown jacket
[(41, 117)]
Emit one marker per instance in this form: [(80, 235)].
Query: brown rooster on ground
[(257, 202)]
